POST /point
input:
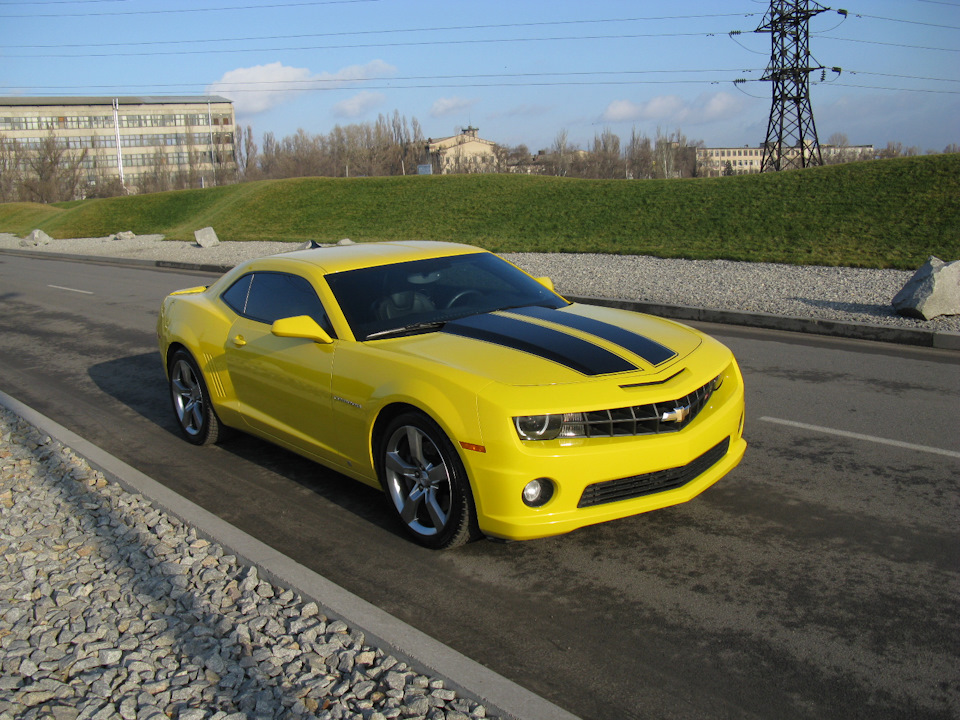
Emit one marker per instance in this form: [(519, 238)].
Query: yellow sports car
[(482, 402)]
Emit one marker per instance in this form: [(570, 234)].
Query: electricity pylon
[(791, 133)]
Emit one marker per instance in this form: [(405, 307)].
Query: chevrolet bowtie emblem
[(677, 415)]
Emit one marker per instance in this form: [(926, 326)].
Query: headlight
[(538, 427), (714, 385), (550, 427)]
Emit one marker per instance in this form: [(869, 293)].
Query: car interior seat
[(401, 304)]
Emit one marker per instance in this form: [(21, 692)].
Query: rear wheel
[(198, 422), (426, 483)]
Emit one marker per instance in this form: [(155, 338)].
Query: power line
[(411, 43), (902, 77), (451, 28), (191, 10), (889, 44), (440, 81), (893, 89), (60, 2), (908, 22), (545, 79)]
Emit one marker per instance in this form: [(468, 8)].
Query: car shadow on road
[(138, 382)]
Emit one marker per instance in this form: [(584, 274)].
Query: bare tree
[(389, 146), (837, 150), (269, 164), (158, 176), (221, 155), (896, 149), (666, 156), (11, 176), (247, 155), (639, 157), (54, 172), (102, 179), (560, 156), (603, 160)]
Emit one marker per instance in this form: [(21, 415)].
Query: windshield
[(422, 294)]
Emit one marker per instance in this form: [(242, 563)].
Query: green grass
[(890, 213)]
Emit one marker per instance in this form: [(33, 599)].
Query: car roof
[(340, 258)]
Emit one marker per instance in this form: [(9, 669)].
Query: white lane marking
[(60, 287), (868, 438)]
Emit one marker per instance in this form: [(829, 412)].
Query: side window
[(278, 295), (236, 295)]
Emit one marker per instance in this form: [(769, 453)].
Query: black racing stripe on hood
[(574, 353), (650, 350)]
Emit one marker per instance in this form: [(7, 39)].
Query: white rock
[(934, 290), (35, 239), (206, 237)]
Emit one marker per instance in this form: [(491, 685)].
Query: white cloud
[(261, 87), (358, 105), (451, 106), (622, 111), (674, 110)]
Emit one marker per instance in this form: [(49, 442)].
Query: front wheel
[(426, 483), (198, 422)]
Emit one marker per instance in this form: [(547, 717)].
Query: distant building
[(835, 154), (714, 162), (462, 153), (746, 160), (130, 137)]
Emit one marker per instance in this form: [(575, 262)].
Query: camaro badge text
[(337, 398), (677, 415)]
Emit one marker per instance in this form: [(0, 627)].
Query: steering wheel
[(461, 295)]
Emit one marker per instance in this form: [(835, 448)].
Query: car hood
[(543, 346)]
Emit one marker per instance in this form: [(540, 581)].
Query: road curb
[(467, 677)]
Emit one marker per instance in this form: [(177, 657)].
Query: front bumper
[(629, 470)]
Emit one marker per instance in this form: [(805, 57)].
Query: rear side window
[(269, 296), (236, 294)]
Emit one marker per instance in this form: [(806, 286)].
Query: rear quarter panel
[(199, 323)]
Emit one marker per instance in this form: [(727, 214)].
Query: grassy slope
[(890, 213)]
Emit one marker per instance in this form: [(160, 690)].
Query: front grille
[(639, 419), (639, 485)]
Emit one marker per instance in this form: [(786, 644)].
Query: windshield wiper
[(407, 329)]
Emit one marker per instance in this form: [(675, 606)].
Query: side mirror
[(546, 282), (301, 326)]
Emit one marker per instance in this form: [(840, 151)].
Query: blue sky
[(520, 71)]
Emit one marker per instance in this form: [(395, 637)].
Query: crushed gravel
[(110, 608)]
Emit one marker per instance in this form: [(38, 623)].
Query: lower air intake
[(640, 485)]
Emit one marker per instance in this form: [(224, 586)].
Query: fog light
[(537, 492)]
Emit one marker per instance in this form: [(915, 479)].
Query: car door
[(282, 384)]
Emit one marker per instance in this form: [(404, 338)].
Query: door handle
[(239, 341)]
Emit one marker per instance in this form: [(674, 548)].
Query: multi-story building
[(132, 139), (746, 160), (714, 162)]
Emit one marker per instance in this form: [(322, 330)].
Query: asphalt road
[(821, 579)]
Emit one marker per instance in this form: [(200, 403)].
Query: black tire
[(425, 482), (195, 416)]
